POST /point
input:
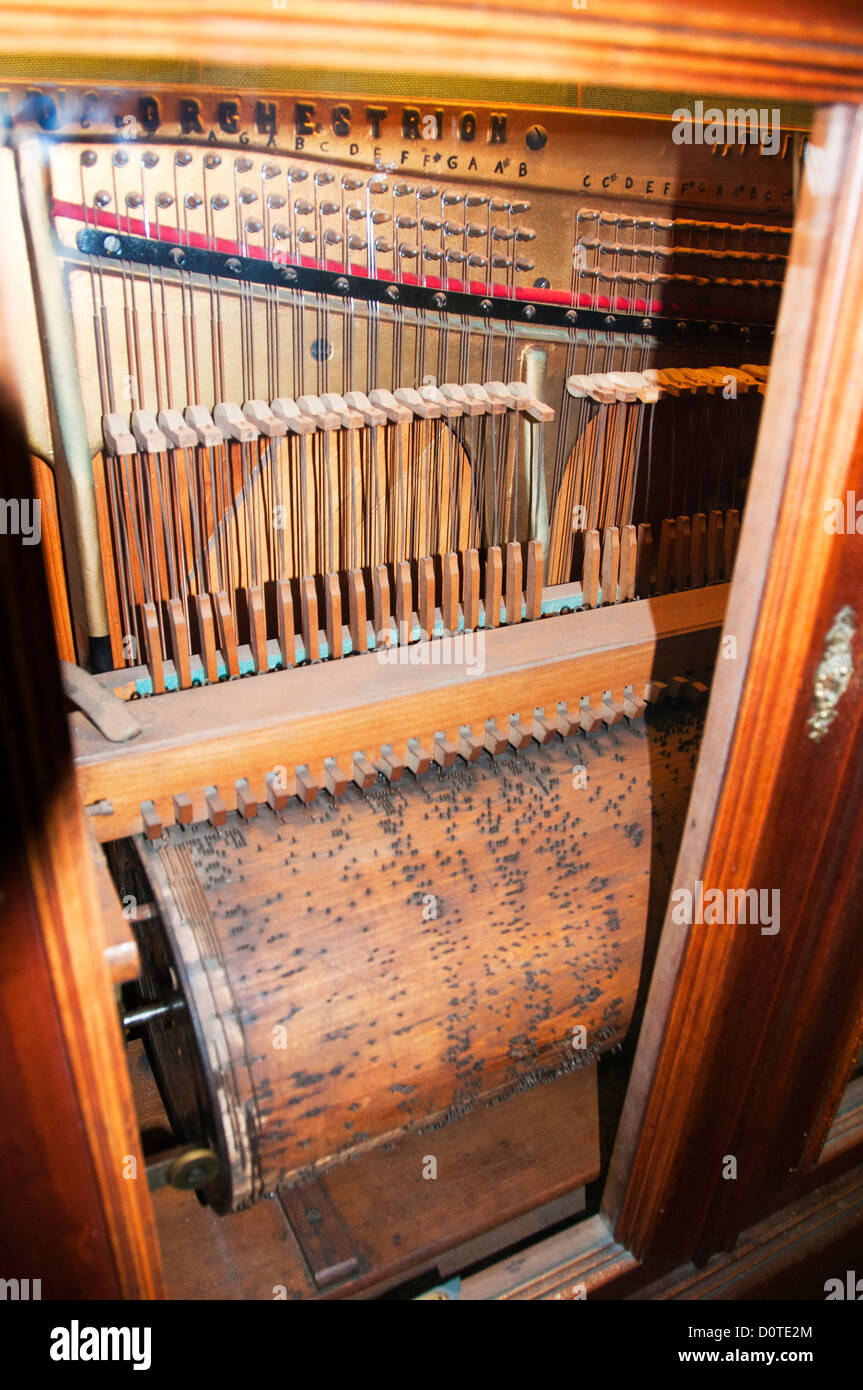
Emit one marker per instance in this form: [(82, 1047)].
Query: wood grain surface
[(392, 956), (801, 50)]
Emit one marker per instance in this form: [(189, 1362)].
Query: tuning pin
[(270, 171), (328, 209), (88, 158), (332, 237), (519, 207), (478, 262), (134, 200), (304, 235), (453, 228), (432, 253), (182, 159), (120, 159), (281, 232), (254, 225), (149, 159), (524, 266), (383, 246), (164, 200), (192, 202), (350, 183), (403, 190), (456, 257), (475, 200), (242, 164), (297, 175), (212, 161), (405, 223), (451, 199), (323, 177), (219, 202), (275, 201), (524, 234), (303, 208), (473, 229), (501, 262), (247, 196), (407, 253), (378, 217), (501, 234), (357, 243), (102, 199), (430, 224), (377, 184), (354, 213), (424, 193)]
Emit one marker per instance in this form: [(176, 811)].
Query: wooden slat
[(493, 586), (404, 601), (513, 582), (381, 606), (729, 542), (153, 644), (533, 588), (713, 559), (333, 614), (285, 616), (644, 561), (610, 565), (309, 618), (426, 595), (357, 611), (628, 562), (207, 636), (257, 628), (698, 550), (682, 545), (665, 559), (590, 572), (449, 592), (227, 634), (470, 601)]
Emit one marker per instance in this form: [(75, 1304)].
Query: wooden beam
[(735, 1016), (304, 716), (799, 51)]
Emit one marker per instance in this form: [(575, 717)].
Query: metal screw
[(440, 300), (176, 256), (529, 311), (392, 292), (233, 265), (112, 245), (486, 306), (313, 1216), (342, 284)]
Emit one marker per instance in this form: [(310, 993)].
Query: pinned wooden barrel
[(391, 959)]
